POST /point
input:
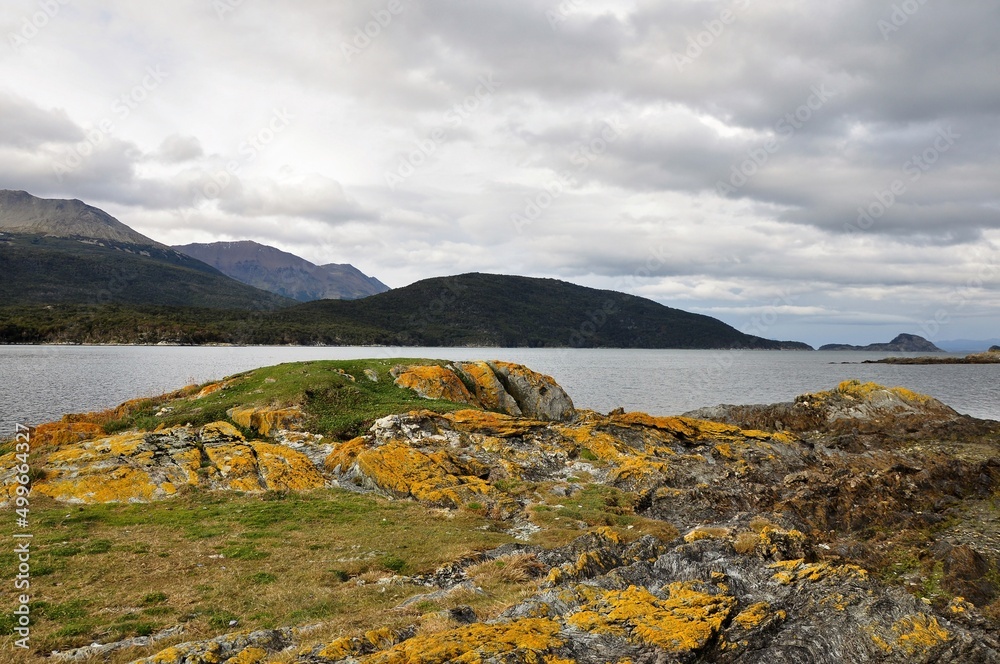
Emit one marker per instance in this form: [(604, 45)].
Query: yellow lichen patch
[(122, 484), (683, 622), (638, 471), (249, 656), (237, 465), (284, 469), (794, 571), (434, 382), (919, 633), (494, 424), (265, 420), (64, 433), (210, 389), (488, 390), (604, 446), (588, 564), (220, 431), (753, 615), (345, 453), (530, 638), (706, 532), (339, 649), (430, 478), (960, 605)]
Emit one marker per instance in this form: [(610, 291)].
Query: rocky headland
[(992, 356), (416, 511), (903, 343)]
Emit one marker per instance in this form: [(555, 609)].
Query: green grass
[(335, 405), (287, 557)]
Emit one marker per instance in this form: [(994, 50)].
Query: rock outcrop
[(504, 387), (791, 518)]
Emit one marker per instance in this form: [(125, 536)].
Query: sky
[(818, 171)]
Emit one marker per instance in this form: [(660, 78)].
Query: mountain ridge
[(282, 272), (20, 212)]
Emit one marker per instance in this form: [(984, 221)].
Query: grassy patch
[(335, 405), (263, 581)]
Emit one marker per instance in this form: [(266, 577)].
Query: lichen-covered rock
[(537, 395), (139, 467), (236, 648), (487, 388), (434, 382), (685, 602), (266, 420)]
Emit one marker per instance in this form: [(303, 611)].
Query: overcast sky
[(820, 171)]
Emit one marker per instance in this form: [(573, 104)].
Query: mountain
[(904, 343), (498, 310), (20, 212), (283, 273), (967, 345), (67, 252)]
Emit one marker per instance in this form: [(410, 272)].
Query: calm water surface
[(40, 383)]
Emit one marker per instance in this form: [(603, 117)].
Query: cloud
[(27, 126), (755, 150), (176, 149)]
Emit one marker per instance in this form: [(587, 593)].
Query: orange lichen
[(284, 469), (433, 478), (794, 571), (682, 622), (265, 420), (345, 453), (210, 389), (530, 638), (488, 390), (706, 532), (919, 633), (434, 382), (753, 615), (249, 656), (64, 433)]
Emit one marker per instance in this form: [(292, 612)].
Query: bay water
[(41, 383)]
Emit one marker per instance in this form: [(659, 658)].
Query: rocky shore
[(992, 356), (858, 524)]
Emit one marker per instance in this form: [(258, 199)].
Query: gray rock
[(537, 395)]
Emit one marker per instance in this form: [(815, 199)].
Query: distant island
[(992, 356), (903, 343)]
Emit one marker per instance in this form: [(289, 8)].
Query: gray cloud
[(821, 122)]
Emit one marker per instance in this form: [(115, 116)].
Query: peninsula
[(416, 510)]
